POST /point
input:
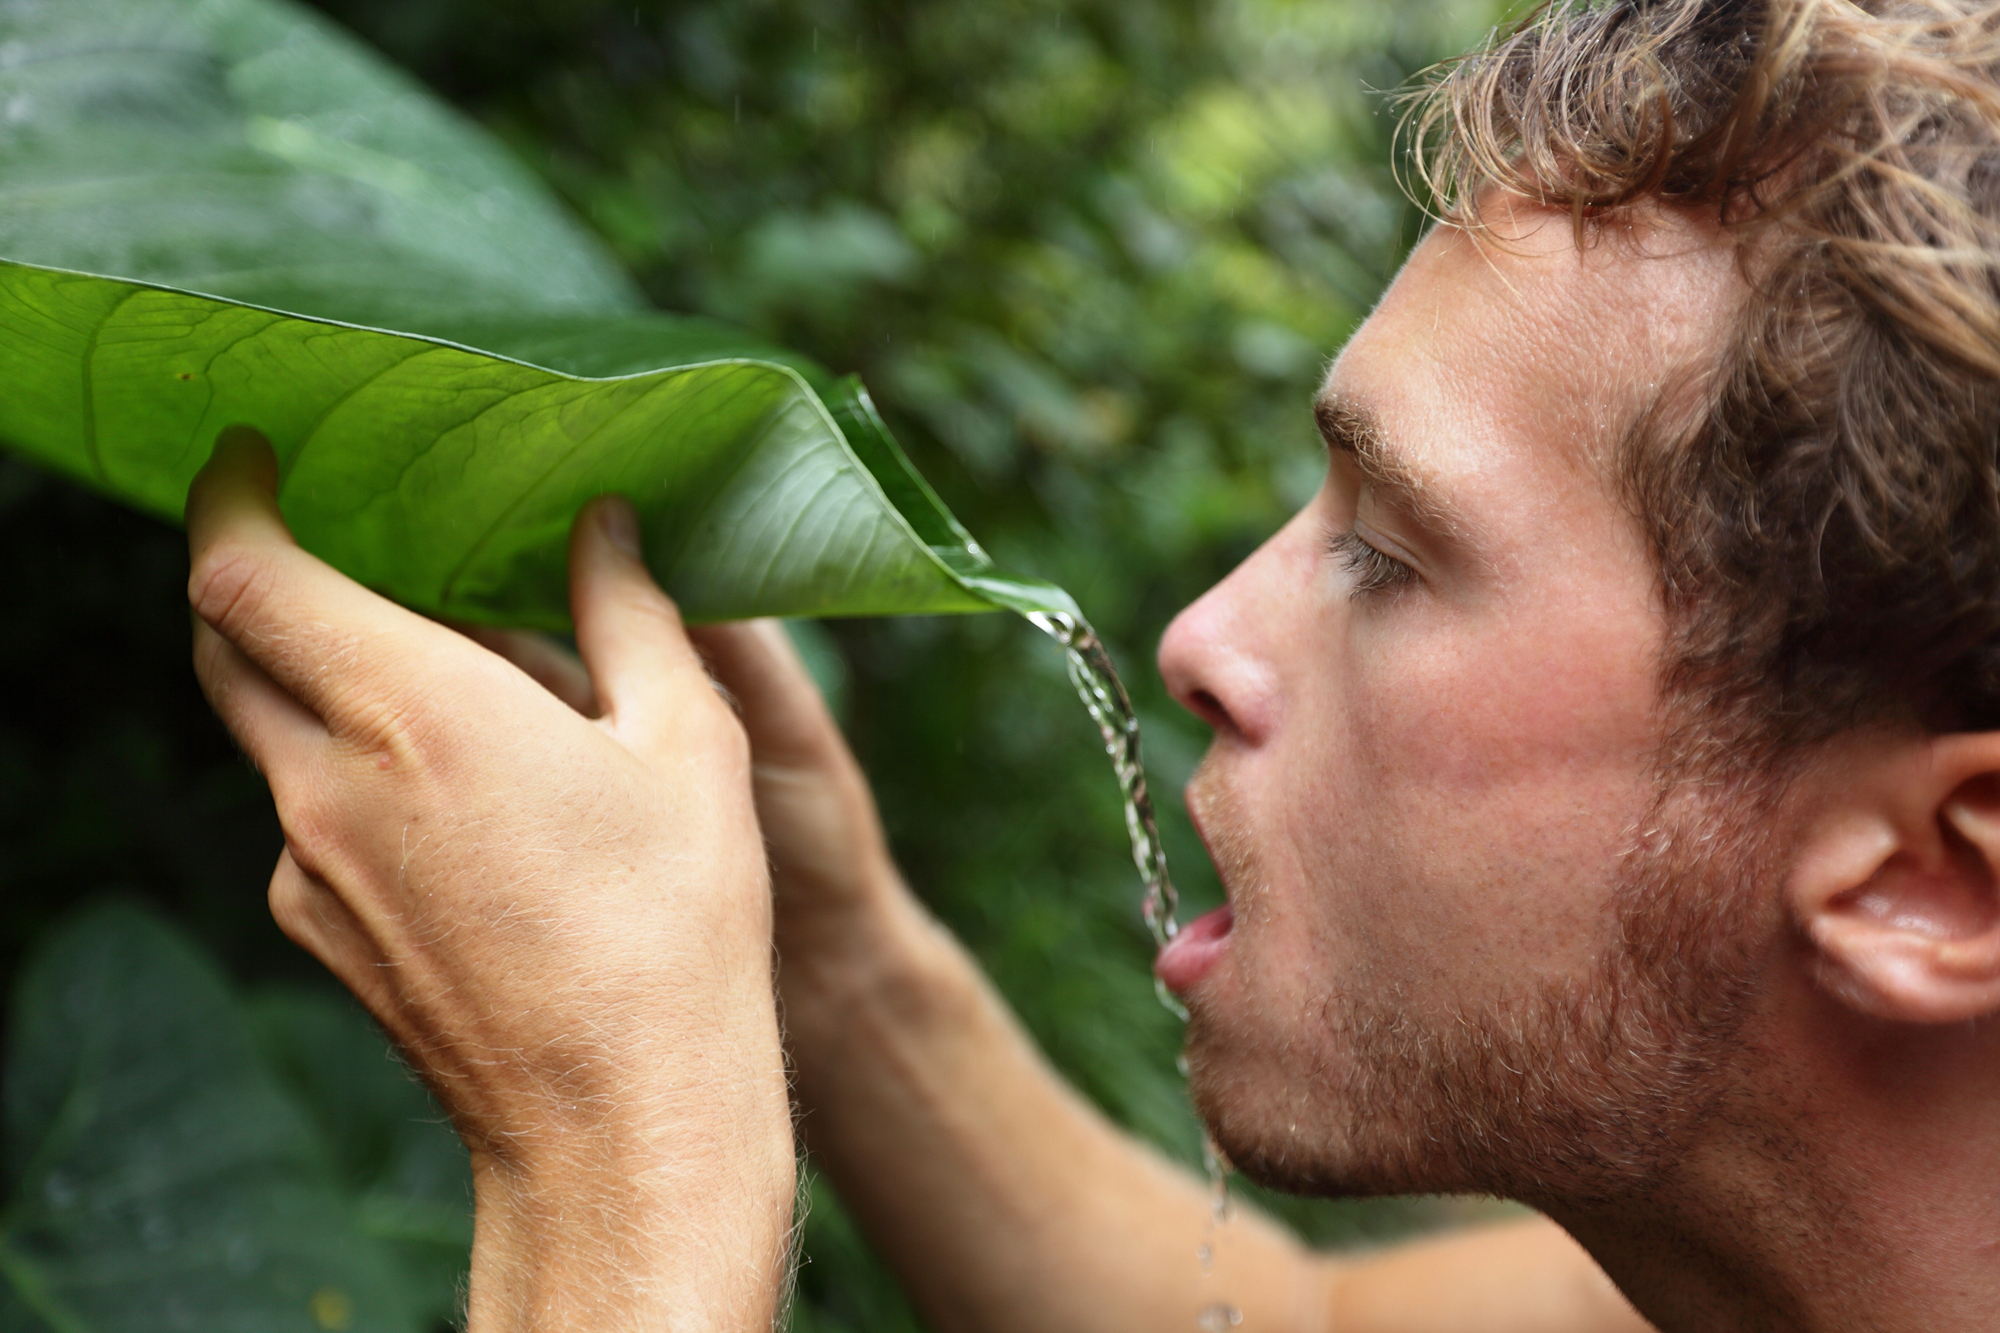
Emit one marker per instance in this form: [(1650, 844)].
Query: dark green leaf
[(160, 1178), (396, 1158)]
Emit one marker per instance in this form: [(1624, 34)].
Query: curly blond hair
[(1827, 523)]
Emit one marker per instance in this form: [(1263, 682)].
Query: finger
[(782, 709), (543, 660), (281, 737), (644, 671), (315, 632)]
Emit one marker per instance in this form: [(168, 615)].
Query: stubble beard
[(1569, 1094)]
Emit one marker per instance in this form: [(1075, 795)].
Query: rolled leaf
[(221, 212)]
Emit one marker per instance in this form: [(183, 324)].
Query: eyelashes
[(1372, 570)]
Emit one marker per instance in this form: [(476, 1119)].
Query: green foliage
[(1088, 257), (160, 1177), (449, 478), (243, 148)]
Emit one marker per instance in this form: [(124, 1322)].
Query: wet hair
[(1826, 516)]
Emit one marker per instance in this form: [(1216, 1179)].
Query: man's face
[(1433, 792)]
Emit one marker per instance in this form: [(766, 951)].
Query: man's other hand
[(560, 913)]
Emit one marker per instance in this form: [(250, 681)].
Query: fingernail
[(620, 523)]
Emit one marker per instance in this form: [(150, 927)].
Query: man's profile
[(1606, 787)]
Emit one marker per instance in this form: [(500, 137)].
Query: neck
[(1854, 1186)]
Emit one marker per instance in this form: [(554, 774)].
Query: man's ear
[(1897, 883)]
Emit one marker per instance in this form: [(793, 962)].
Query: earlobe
[(1898, 882)]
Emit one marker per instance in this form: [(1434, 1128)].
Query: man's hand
[(563, 919), (835, 886), (832, 877)]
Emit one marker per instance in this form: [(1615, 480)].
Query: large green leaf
[(244, 150), (160, 1179)]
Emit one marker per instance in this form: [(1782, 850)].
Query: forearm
[(1517, 1277), (1001, 1198)]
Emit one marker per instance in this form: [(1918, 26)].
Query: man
[(1606, 785)]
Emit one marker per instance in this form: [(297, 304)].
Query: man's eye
[(1372, 570)]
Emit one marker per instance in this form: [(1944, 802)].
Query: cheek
[(1470, 794)]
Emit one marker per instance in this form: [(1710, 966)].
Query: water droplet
[(1219, 1316), (1219, 1169)]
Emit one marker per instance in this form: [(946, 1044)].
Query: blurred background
[(1090, 256)]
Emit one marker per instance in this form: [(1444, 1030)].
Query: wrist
[(877, 945), (870, 1008), (619, 1225)]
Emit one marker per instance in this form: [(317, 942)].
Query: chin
[(1573, 1093), (1291, 1113), (1571, 1090)]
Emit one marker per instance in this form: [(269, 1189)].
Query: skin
[(1450, 765), (568, 935), (1426, 801)]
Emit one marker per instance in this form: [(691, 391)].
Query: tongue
[(1188, 956)]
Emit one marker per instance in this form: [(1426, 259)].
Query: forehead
[(1517, 358)]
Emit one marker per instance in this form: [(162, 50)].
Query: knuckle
[(227, 586), (717, 730), (296, 909), (641, 602), (388, 706), (385, 730), (313, 824)]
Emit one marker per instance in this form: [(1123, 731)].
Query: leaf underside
[(274, 201)]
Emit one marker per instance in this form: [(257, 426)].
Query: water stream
[(1103, 694)]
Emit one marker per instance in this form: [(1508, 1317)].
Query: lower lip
[(1194, 950)]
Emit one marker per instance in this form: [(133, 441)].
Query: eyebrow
[(1351, 429)]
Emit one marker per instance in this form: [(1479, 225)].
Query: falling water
[(1103, 694), (1104, 697), (1217, 1316)]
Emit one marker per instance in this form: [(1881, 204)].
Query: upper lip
[(1191, 795)]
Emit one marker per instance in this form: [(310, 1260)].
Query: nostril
[(1208, 708)]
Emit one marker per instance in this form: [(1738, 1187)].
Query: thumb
[(235, 491), (781, 707)]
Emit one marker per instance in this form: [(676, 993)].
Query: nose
[(1186, 650), (1221, 656)]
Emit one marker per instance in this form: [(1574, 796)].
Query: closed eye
[(1372, 570)]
